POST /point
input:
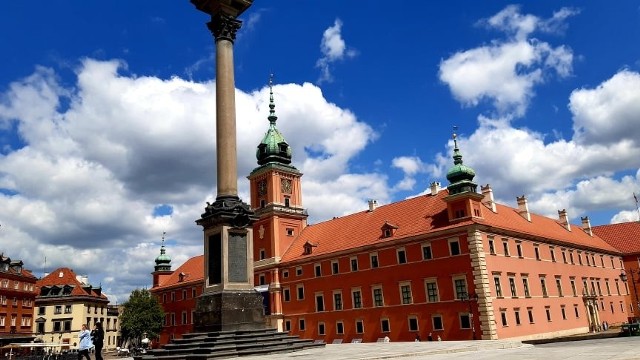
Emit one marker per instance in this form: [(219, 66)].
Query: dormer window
[(283, 147), (388, 229), (181, 276), (308, 247)]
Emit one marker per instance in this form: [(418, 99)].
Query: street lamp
[(623, 277), (469, 299)]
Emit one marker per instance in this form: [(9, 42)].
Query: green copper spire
[(460, 176), (273, 148), (163, 261)]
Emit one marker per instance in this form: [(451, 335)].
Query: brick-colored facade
[(450, 264), (17, 298)]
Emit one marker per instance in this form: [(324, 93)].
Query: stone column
[(229, 301)]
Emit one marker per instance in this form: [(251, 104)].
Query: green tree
[(141, 313)]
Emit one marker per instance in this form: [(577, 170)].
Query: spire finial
[(457, 156), (272, 106), (162, 251)]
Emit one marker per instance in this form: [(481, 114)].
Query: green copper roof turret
[(273, 147), (163, 261), (460, 176)]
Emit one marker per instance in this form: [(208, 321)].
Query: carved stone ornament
[(224, 27)]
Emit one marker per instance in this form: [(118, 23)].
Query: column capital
[(224, 27)]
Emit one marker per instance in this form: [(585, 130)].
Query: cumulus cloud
[(506, 71), (333, 48), (86, 187)]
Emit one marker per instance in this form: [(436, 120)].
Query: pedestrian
[(417, 338), (85, 343), (430, 337), (439, 338), (98, 339)]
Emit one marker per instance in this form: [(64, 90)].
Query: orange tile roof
[(423, 215), (623, 236), (66, 276), (193, 270)]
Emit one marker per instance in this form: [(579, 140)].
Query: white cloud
[(505, 72), (91, 174), (333, 48)]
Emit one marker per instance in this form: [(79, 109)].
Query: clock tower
[(276, 198)]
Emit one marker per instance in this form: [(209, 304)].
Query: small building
[(626, 238), (17, 298), (65, 301)]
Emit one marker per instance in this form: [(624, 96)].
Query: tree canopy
[(141, 313)]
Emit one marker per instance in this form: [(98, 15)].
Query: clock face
[(262, 187), (286, 186)]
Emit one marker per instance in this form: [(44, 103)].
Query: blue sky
[(107, 114)]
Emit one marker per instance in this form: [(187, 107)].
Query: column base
[(230, 311)]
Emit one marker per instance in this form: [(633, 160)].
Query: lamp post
[(469, 299), (623, 277)]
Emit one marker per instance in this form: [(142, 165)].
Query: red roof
[(423, 215), (192, 270), (65, 276), (624, 236)]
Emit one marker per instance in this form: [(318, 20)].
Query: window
[(437, 322), (373, 257), (503, 317), (530, 314), (571, 257), (563, 312), (354, 264), (319, 302), (287, 325), (300, 290), (536, 249), (287, 201), (356, 296), (261, 280), (573, 287), (337, 300), (41, 309), (301, 324), (525, 285), (57, 326), (547, 310), (552, 252), (516, 315), (334, 267), (575, 310), (359, 327), (58, 309), (617, 286), (492, 249), (512, 287), (339, 327), (320, 328), (559, 286), (289, 232), (611, 306), (413, 323), (317, 270), (287, 294), (426, 252), (402, 256), (580, 257), (519, 249), (405, 293), (173, 298), (285, 273), (377, 297), (496, 281), (184, 318), (505, 247), (299, 271), (184, 296), (454, 247), (600, 289), (263, 254), (384, 325), (606, 282), (432, 290), (461, 288), (543, 285), (564, 256), (465, 321)]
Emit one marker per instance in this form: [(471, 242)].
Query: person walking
[(85, 343), (98, 339)]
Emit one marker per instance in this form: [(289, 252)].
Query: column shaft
[(226, 120)]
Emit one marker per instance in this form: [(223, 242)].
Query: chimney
[(586, 225), (435, 188), (523, 208), (487, 192), (373, 204), (564, 219)]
